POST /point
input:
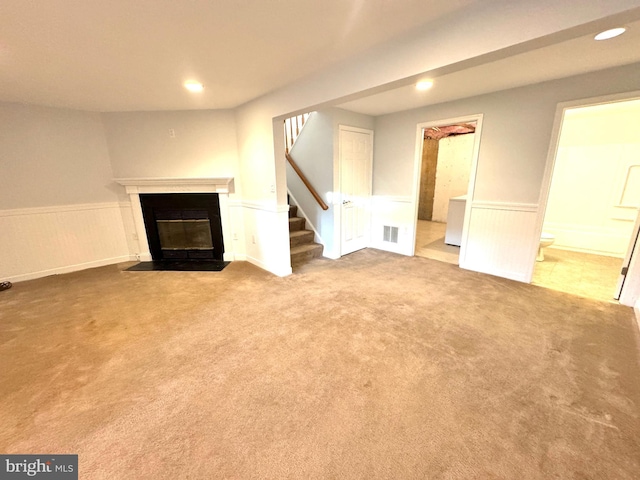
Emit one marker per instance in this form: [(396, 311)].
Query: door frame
[(633, 245), (420, 127), (337, 187), (550, 165)]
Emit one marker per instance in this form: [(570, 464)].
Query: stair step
[(296, 223), (300, 237), (293, 211), (303, 253)]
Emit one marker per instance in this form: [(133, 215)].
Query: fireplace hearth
[(183, 226)]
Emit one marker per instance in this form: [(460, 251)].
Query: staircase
[(301, 241)]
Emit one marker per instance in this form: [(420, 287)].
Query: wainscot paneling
[(393, 211), (267, 236), (612, 242), (36, 242), (501, 240)]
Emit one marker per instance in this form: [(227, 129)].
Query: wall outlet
[(172, 133), (253, 239), (235, 236)]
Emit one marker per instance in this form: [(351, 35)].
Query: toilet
[(546, 239)]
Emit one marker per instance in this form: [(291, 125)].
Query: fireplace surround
[(183, 226), (135, 187)]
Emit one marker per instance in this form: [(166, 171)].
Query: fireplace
[(183, 226), (138, 188)]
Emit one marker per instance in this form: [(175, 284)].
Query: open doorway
[(594, 197), (448, 152)]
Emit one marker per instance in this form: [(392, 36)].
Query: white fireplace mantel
[(177, 185), (137, 186)]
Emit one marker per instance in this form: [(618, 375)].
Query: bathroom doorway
[(447, 156), (593, 200)]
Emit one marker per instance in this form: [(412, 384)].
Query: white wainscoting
[(612, 242), (36, 242), (501, 236), (267, 236), (393, 211), (501, 239)]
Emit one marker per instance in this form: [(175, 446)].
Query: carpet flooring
[(374, 366)]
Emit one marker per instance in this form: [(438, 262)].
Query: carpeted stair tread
[(302, 253), (296, 223), (306, 247), (300, 237), (301, 241)]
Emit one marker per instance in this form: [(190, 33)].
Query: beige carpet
[(374, 366)]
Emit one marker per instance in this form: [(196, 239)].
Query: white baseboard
[(585, 250), (280, 272), (71, 268), (510, 275), (610, 242), (401, 248), (331, 255)]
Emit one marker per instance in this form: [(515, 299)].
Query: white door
[(356, 159), (633, 244)]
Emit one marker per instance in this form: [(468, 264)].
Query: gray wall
[(140, 145), (52, 156), (515, 136), (313, 153)]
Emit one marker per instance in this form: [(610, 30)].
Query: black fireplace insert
[(183, 226)]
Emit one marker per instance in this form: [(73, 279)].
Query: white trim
[(174, 184), (61, 208), (262, 206), (221, 186), (622, 187), (626, 263), (420, 127), (511, 275), (284, 272), (71, 268), (515, 207), (585, 250), (552, 154)]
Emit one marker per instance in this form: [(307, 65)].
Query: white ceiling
[(122, 55), (127, 55), (579, 55)]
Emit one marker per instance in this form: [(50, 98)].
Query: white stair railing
[(292, 128)]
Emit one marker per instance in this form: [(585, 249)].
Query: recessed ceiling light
[(424, 84), (193, 86), (607, 34)]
